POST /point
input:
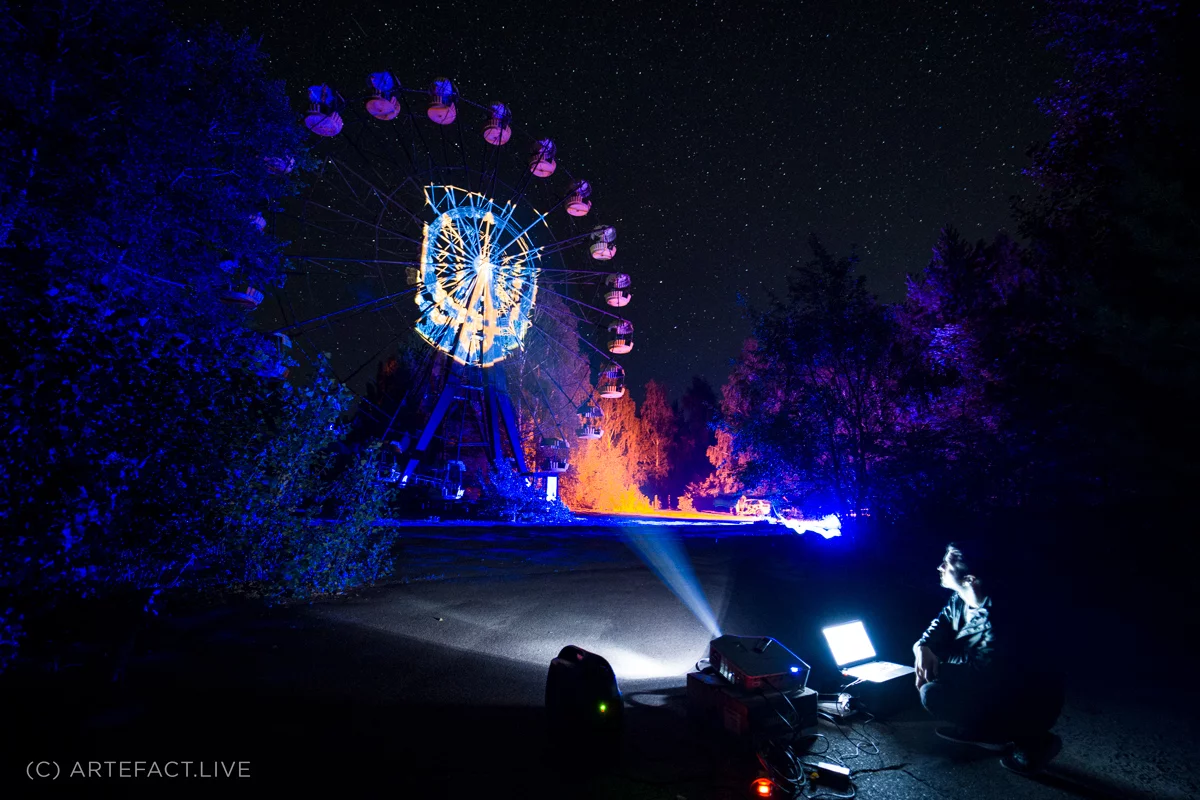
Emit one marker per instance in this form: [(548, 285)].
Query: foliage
[(659, 431), (513, 498), (729, 455), (604, 473), (1057, 373), (288, 524), (821, 408), (141, 449), (695, 412), (1115, 222)]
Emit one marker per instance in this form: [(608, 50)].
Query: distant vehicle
[(753, 507)]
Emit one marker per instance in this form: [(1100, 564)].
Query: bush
[(511, 497)]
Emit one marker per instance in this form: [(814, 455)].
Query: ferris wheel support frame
[(499, 420)]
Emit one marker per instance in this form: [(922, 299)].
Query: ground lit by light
[(828, 526)]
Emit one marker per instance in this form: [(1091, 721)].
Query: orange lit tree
[(605, 473)]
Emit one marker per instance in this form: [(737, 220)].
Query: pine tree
[(659, 430)]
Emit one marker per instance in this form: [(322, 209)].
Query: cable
[(864, 740)]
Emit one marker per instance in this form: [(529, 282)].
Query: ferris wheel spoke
[(375, 261), (574, 274), (550, 409), (377, 354), (356, 308), (582, 338), (581, 303), (385, 197), (326, 270), (308, 224), (558, 386), (553, 339), (574, 318), (364, 223), (462, 151), (519, 236), (412, 116), (560, 245), (341, 173)]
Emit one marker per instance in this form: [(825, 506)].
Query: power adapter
[(831, 775)]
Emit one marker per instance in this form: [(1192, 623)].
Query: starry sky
[(718, 136)]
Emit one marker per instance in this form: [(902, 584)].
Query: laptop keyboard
[(877, 671)]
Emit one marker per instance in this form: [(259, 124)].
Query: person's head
[(964, 567)]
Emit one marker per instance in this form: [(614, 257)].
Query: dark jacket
[(954, 640)]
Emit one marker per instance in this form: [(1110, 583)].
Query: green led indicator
[(603, 707)]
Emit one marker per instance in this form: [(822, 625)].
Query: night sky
[(717, 139)]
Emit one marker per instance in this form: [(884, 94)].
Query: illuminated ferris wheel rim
[(476, 291)]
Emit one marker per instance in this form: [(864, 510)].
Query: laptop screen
[(849, 643)]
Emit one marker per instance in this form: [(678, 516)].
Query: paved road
[(440, 679)]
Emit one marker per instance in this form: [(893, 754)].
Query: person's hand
[(926, 666)]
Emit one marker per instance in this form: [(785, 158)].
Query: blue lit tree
[(139, 444), (818, 409)]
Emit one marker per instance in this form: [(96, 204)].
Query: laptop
[(854, 655)]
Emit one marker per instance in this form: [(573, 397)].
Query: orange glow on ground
[(709, 516)]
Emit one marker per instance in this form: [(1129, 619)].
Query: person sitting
[(981, 670)]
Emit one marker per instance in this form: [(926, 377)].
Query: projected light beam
[(665, 557)]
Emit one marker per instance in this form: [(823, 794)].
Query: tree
[(819, 405), (965, 332), (133, 170), (1115, 222), (695, 411), (730, 456), (659, 430), (604, 473), (553, 378)]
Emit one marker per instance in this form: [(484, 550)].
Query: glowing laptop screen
[(849, 643)]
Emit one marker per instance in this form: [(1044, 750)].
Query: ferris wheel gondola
[(422, 216)]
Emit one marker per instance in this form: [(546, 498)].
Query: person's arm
[(981, 653), (940, 632)]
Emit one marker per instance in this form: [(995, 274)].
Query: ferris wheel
[(434, 216)]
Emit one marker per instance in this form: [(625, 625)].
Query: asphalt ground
[(433, 686)]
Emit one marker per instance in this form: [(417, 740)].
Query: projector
[(752, 662)]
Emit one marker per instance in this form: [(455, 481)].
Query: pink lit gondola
[(616, 296), (589, 422), (603, 245), (383, 105), (577, 203), (612, 382), (442, 95), (244, 296), (498, 130), (554, 454), (622, 337), (322, 117), (541, 159)]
